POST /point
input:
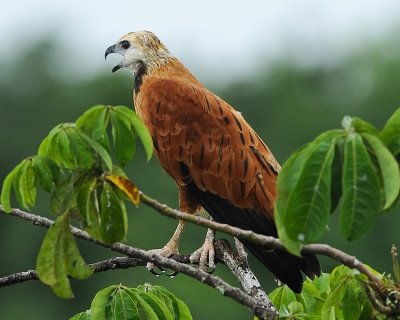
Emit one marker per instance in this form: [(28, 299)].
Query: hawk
[(217, 160)]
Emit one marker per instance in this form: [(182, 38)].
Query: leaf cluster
[(144, 302), (339, 295), (75, 165), (353, 170)]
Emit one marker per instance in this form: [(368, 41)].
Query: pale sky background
[(215, 39)]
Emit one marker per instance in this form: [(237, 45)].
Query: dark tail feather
[(285, 266)]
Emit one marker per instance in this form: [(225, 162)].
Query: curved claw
[(157, 274), (162, 269), (211, 270), (153, 269), (164, 272), (172, 274)]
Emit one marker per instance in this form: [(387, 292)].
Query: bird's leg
[(206, 253), (170, 248)]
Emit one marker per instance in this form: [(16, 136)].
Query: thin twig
[(18, 277), (376, 302), (344, 258), (114, 263), (396, 267), (109, 264)]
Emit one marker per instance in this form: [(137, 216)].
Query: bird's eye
[(125, 44)]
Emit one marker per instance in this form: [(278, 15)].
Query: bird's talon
[(159, 270), (162, 269), (172, 274), (205, 255), (157, 274), (210, 270)]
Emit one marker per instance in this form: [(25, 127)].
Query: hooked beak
[(109, 50)]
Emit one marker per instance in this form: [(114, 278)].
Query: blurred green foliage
[(288, 105)]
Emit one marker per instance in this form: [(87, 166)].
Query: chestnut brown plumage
[(217, 160)]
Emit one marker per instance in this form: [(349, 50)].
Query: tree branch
[(237, 263), (144, 256), (262, 240), (18, 278), (109, 264), (114, 263)]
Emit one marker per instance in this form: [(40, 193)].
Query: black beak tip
[(116, 68), (109, 50)]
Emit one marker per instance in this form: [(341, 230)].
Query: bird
[(220, 164)]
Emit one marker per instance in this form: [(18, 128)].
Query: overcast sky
[(222, 38)]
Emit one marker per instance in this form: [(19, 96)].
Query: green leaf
[(287, 180), (44, 173), (308, 208), (6, 189), (59, 257), (361, 199), (94, 123), (114, 221), (391, 133), (322, 283), (25, 184), (180, 310), (82, 316), (362, 127), (295, 308), (62, 196), (311, 298), (367, 311), (56, 172), (89, 118), (28, 182), (93, 216), (337, 171), (333, 300), (144, 309), (98, 149), (389, 169), (87, 202), (157, 304), (351, 305), (282, 297), (98, 307), (82, 156), (168, 302), (50, 264), (18, 185), (45, 148), (123, 305), (339, 273), (123, 140), (63, 149), (76, 266), (99, 131), (139, 128), (183, 310)]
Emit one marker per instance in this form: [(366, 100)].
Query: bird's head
[(139, 50)]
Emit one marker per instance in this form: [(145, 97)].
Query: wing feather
[(221, 151)]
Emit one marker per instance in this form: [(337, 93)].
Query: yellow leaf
[(126, 186)]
